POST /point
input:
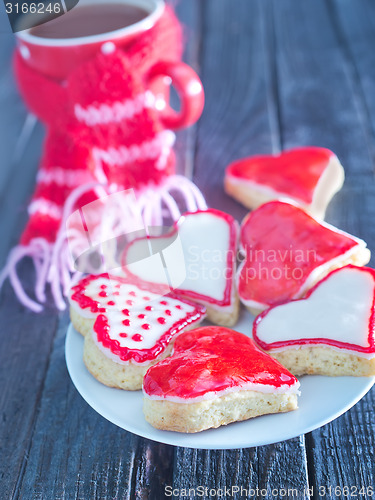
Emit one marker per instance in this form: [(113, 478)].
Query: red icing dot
[(126, 322), (103, 294), (116, 293), (149, 308), (118, 285), (123, 335), (102, 310), (129, 302), (162, 321), (146, 298), (141, 316), (125, 312), (146, 326), (111, 303), (168, 312), (163, 302), (178, 307), (132, 294), (103, 287), (137, 337)]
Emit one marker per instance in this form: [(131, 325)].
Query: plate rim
[(170, 440)]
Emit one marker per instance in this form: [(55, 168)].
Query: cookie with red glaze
[(286, 251), (127, 327), (199, 254), (329, 332), (215, 376), (309, 176)]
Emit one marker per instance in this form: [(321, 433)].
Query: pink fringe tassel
[(53, 263)]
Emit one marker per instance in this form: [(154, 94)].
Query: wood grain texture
[(241, 115), (75, 453), (19, 188), (319, 101), (240, 118), (257, 472), (26, 338), (276, 74), (20, 146), (322, 103), (190, 15), (355, 28), (26, 341)]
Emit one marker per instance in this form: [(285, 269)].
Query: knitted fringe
[(54, 265)]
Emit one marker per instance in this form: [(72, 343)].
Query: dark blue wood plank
[(26, 338), (74, 452), (189, 14), (321, 102), (26, 341), (263, 472), (20, 143), (240, 118)]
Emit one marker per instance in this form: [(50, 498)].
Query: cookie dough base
[(232, 407), (359, 258), (321, 360), (252, 195), (112, 374), (222, 317), (81, 324)]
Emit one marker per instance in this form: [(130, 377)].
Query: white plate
[(322, 399)]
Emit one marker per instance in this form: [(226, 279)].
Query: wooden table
[(277, 74)]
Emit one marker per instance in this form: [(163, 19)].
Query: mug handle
[(189, 88)]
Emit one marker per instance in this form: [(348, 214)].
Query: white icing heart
[(338, 312), (199, 257)]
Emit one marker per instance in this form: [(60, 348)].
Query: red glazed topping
[(158, 330), (283, 246), (294, 173), (213, 359), (137, 337)]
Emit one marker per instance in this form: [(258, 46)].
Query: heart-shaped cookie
[(127, 326), (199, 256), (215, 376), (309, 176), (330, 331), (286, 251)]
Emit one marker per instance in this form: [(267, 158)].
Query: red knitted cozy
[(102, 128), (95, 122), (106, 131)]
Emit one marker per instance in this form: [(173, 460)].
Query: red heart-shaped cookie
[(286, 251), (211, 361), (309, 176)]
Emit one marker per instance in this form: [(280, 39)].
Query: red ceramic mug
[(54, 58)]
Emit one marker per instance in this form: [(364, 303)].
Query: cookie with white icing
[(330, 332), (286, 251), (127, 327), (199, 255), (309, 176), (215, 376)]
